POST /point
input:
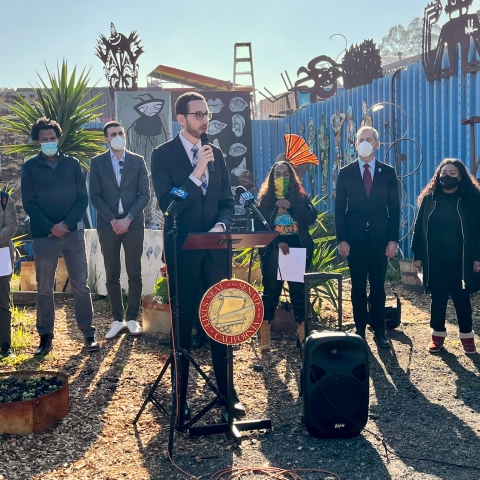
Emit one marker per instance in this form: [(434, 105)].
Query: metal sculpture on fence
[(350, 150), (119, 55), (361, 64), (324, 72), (336, 122), (456, 31), (324, 144), (298, 154)]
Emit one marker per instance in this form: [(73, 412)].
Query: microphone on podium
[(178, 194), (247, 200), (204, 140)]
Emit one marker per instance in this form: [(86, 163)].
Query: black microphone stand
[(175, 360)]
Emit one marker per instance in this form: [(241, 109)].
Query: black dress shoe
[(91, 345), (381, 339), (7, 351), (238, 407), (198, 339), (186, 413), (45, 345)]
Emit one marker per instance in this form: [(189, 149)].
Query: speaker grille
[(338, 404)]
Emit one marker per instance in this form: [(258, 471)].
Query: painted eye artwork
[(237, 104), (217, 144), (215, 106), (237, 171), (94, 247), (157, 251), (151, 108), (238, 122), (237, 149), (215, 127), (149, 252)]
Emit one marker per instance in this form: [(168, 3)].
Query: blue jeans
[(46, 252)]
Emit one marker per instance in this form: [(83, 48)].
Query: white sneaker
[(115, 329), (134, 327)]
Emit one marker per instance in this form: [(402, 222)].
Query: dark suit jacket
[(198, 213), (105, 194), (353, 209)]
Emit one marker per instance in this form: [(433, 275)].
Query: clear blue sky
[(193, 36)]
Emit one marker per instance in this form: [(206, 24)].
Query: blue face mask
[(49, 148)]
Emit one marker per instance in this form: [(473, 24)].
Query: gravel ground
[(421, 405)]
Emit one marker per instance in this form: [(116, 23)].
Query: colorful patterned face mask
[(282, 185)]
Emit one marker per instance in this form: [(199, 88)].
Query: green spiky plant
[(63, 101)]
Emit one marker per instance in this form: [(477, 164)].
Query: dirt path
[(422, 405)]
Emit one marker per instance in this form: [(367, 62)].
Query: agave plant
[(63, 101)]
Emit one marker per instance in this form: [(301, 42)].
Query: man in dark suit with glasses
[(119, 190), (208, 207)]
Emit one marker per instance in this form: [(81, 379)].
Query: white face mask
[(365, 149), (118, 142)]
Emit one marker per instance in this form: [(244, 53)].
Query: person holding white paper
[(289, 211), (8, 227)]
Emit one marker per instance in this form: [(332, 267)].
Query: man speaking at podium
[(200, 171)]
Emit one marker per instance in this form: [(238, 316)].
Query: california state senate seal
[(231, 311)]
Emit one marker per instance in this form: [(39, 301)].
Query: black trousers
[(446, 281), (132, 242), (368, 262), (195, 269), (5, 313), (272, 288)]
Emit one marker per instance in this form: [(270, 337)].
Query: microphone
[(247, 200), (178, 194), (204, 140)]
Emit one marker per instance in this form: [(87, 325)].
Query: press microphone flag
[(247, 200), (178, 194)]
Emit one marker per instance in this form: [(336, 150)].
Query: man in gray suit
[(119, 190)]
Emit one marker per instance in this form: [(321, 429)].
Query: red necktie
[(367, 179)]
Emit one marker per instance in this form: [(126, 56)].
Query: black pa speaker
[(334, 384)]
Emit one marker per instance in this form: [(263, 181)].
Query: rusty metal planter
[(37, 414)]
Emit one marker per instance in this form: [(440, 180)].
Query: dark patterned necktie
[(367, 179), (203, 178)]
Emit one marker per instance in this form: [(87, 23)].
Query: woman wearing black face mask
[(446, 247)]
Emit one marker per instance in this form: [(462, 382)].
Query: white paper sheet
[(292, 266), (5, 262)]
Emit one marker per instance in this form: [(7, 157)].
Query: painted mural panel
[(146, 116), (231, 129)]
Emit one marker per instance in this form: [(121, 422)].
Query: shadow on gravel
[(78, 431), (414, 426), (467, 383), (290, 445)]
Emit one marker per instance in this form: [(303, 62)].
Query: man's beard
[(195, 132)]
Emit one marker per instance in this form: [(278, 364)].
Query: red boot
[(436, 343), (468, 343)]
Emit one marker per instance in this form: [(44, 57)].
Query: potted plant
[(156, 309), (32, 401)]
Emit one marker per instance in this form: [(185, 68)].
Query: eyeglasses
[(199, 115), (281, 174), (121, 167)]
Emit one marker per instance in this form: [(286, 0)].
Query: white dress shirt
[(116, 168), (187, 145)]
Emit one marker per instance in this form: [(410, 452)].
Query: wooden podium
[(222, 241)]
